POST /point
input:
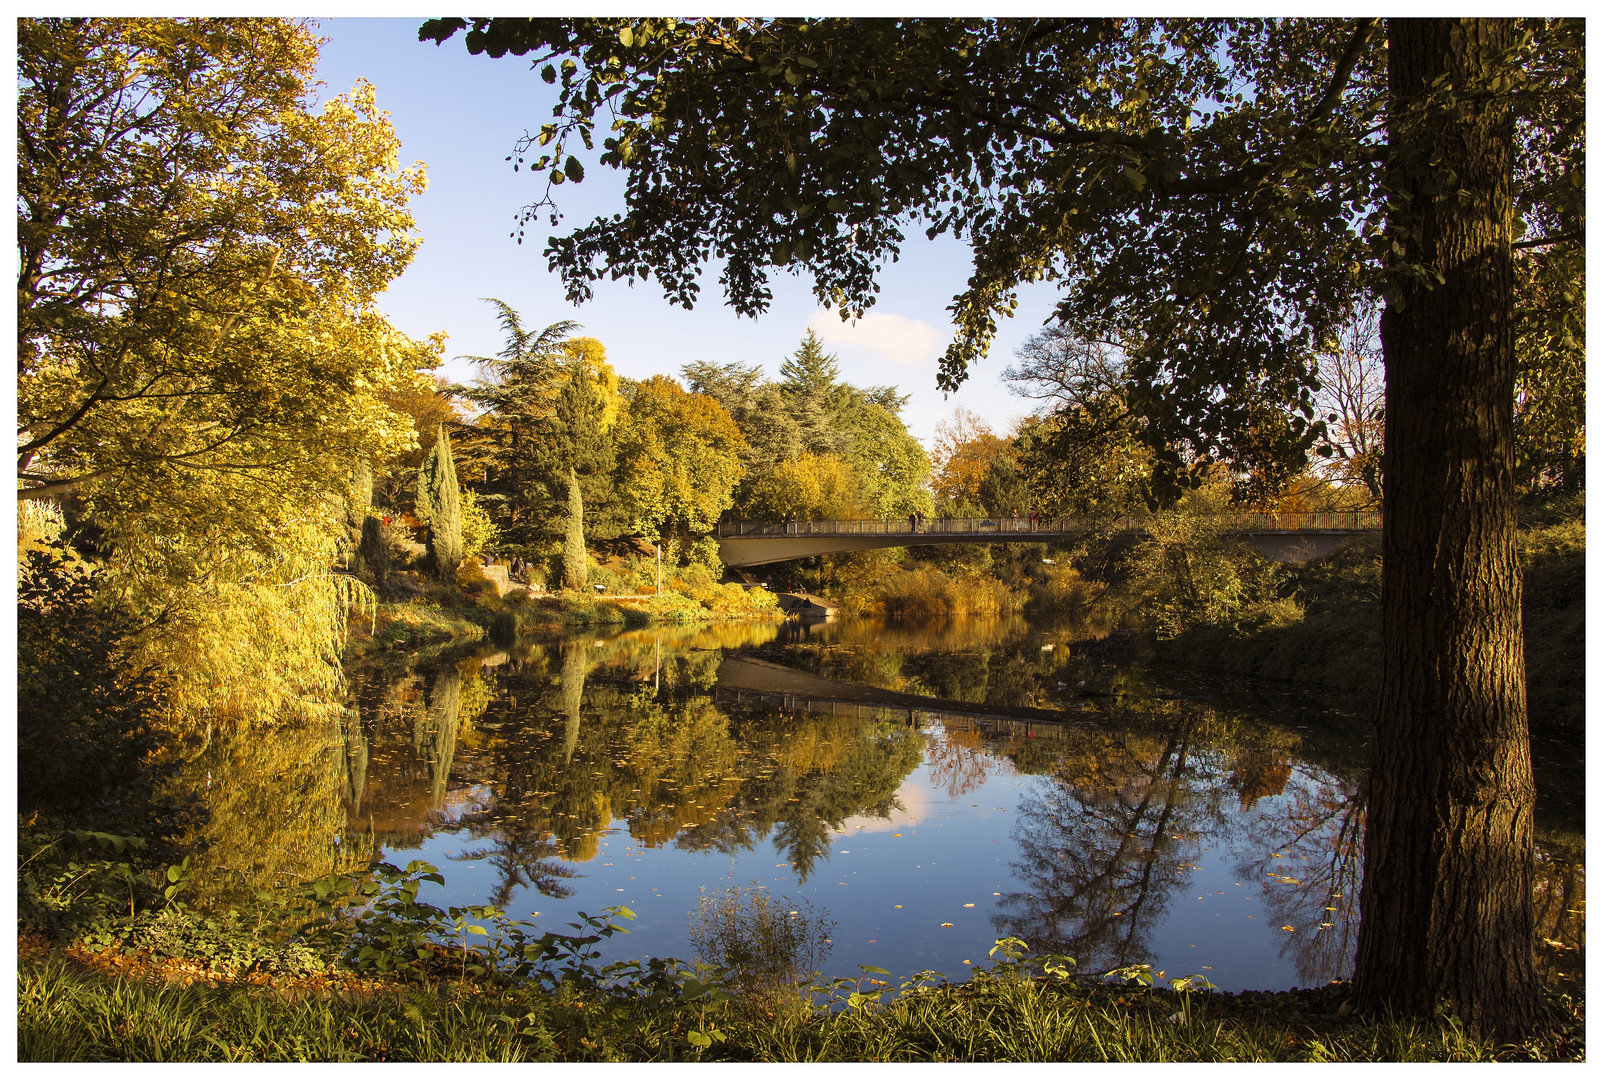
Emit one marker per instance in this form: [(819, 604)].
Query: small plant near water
[(767, 945)]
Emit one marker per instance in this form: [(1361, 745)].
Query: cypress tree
[(439, 498), (574, 558), (357, 505), (373, 557)]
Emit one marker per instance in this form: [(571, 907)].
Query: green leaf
[(626, 37), (573, 169)]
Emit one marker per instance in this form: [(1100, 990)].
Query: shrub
[(767, 946), (86, 715)]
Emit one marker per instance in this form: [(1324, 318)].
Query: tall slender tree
[(575, 557), (439, 502)]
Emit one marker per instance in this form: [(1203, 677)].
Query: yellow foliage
[(590, 354), (814, 487)]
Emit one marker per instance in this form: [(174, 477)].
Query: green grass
[(65, 1014), (69, 1014)]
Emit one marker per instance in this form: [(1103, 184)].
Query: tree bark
[(1449, 847)]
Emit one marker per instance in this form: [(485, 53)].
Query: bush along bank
[(370, 973), (1215, 605)]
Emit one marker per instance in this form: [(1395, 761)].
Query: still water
[(929, 790)]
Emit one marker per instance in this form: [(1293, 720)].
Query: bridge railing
[(1322, 520)]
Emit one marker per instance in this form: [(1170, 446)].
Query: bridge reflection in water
[(1291, 537), (744, 679)]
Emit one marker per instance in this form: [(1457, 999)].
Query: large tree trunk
[(1449, 851)]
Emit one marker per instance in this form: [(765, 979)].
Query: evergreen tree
[(357, 503), (815, 397), (575, 439), (575, 560), (439, 498), (517, 396), (373, 557)]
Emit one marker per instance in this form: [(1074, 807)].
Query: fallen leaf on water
[(946, 924), (898, 905), (968, 905), (896, 834), (1288, 928)]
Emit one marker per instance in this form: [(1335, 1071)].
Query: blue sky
[(460, 115)]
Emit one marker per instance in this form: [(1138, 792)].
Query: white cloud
[(909, 342)]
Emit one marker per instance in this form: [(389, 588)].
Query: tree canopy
[(201, 368), (198, 254)]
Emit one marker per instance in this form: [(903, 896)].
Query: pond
[(928, 791)]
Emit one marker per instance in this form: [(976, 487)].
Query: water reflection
[(1103, 847), (573, 736), (1146, 823)]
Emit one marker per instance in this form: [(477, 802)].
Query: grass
[(67, 1012)]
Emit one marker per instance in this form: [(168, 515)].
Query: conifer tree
[(373, 556), (574, 556), (439, 501)]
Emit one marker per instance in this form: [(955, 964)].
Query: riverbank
[(1335, 643), (439, 616), (97, 1007)]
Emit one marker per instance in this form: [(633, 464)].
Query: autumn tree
[(200, 361), (678, 458), (1352, 398), (892, 467), (813, 487), (758, 407), (1215, 195), (965, 449)]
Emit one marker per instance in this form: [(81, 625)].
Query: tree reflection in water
[(1105, 843), (1306, 849), (581, 735)]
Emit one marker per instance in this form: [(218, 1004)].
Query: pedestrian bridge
[(1292, 537)]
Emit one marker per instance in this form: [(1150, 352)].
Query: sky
[(461, 114)]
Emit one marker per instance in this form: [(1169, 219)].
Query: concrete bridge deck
[(1294, 537)]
